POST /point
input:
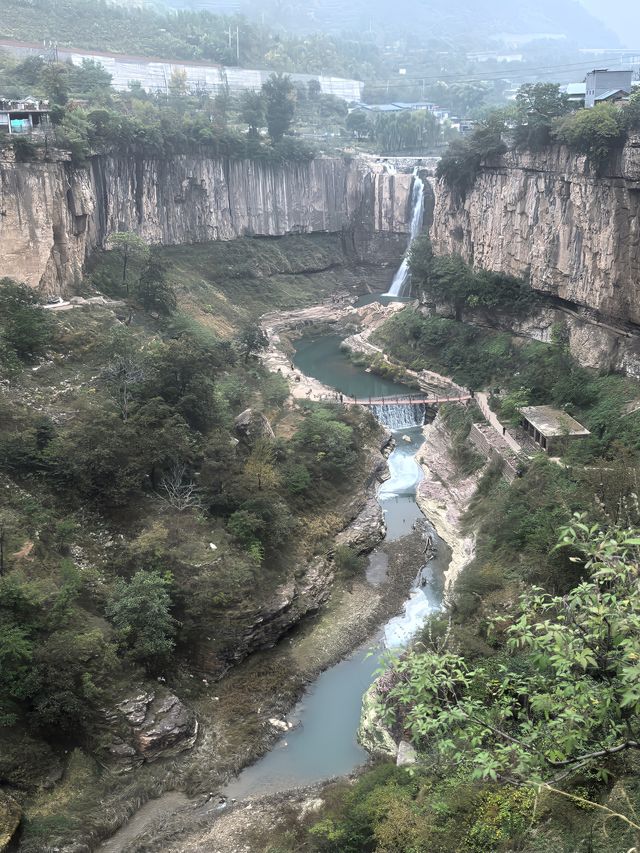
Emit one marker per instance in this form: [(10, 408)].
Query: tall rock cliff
[(52, 216), (550, 216)]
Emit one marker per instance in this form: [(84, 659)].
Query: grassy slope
[(227, 284)]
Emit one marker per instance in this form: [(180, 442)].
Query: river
[(323, 743)]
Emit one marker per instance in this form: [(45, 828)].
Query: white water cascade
[(400, 415), (402, 278)]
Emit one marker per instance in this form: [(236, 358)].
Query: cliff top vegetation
[(90, 117), (542, 115)]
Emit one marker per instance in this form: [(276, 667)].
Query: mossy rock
[(373, 735), (10, 817)]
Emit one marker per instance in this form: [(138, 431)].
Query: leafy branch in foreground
[(566, 692)]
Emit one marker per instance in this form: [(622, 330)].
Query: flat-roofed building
[(603, 81), (26, 116), (552, 429)]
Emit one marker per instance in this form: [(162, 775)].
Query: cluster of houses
[(26, 116)]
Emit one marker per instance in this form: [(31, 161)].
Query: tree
[(461, 162), (314, 89), (178, 83), (26, 329), (54, 79), (542, 100), (328, 440), (130, 247), (73, 134), (565, 694), (511, 404), (358, 123), (537, 106), (260, 468), (153, 290), (280, 99), (91, 79), (252, 112), (3, 539), (250, 341), (178, 490), (450, 280), (421, 258), (122, 375), (140, 611)]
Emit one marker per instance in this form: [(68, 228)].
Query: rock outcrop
[(151, 725), (252, 425), (550, 216), (444, 496), (52, 215)]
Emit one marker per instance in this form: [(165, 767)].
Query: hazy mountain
[(480, 19), (622, 16)]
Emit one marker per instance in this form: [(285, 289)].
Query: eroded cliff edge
[(52, 215), (549, 215)]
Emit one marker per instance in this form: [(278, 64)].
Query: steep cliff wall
[(53, 216), (550, 216)]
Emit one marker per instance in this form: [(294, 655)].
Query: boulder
[(407, 755), (252, 425), (10, 817), (158, 725), (169, 727)]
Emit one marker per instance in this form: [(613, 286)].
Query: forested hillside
[(472, 19)]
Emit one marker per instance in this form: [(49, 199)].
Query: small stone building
[(551, 428)]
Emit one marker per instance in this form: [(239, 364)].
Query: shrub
[(140, 613), (24, 149), (26, 330), (460, 164), (595, 132)]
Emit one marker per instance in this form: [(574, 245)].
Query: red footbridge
[(419, 399)]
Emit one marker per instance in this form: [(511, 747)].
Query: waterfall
[(400, 416), (403, 276)]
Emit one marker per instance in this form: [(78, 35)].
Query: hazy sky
[(622, 16)]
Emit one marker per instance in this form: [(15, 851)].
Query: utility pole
[(238, 45)]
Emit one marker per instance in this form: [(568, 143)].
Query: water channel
[(324, 742)]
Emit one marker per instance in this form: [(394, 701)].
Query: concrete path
[(483, 403)]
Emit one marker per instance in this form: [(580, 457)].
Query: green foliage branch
[(567, 693)]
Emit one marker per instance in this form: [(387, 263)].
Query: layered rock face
[(548, 215), (52, 216)]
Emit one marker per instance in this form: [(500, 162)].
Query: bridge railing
[(410, 400)]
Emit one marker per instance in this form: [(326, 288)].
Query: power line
[(521, 76), (494, 76)]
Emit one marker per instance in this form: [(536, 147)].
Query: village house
[(26, 116), (603, 84)]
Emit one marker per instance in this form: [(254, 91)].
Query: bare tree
[(177, 490), (121, 375)]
